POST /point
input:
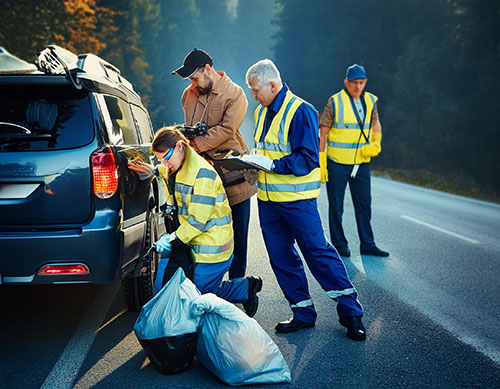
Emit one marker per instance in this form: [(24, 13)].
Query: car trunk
[(41, 188), (46, 138)]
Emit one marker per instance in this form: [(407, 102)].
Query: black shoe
[(292, 325), (344, 253), (375, 251), (254, 287), (355, 327)]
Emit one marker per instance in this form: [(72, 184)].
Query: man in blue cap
[(350, 131)]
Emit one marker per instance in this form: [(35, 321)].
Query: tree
[(130, 30), (433, 63), (41, 22), (81, 33)]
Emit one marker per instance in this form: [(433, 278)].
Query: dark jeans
[(338, 177), (208, 279), (241, 219)]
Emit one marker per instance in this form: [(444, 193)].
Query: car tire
[(137, 291)]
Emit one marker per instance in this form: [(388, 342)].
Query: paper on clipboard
[(252, 161)]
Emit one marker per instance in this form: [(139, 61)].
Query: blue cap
[(355, 72)]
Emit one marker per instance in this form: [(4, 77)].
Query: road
[(432, 311)]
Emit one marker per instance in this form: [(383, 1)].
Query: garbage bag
[(171, 354), (234, 346), (165, 327)]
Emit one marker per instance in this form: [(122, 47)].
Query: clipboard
[(235, 163)]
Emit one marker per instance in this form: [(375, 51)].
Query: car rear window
[(44, 117)]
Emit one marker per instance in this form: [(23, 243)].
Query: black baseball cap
[(193, 61)]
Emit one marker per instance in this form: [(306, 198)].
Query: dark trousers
[(208, 279), (241, 219), (338, 177), (282, 225)]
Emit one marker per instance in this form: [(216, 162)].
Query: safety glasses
[(169, 154)]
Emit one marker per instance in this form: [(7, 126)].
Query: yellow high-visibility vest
[(345, 137), (282, 187), (203, 210)]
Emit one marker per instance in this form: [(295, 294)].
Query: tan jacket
[(224, 115)]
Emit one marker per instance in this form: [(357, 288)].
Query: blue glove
[(163, 245)]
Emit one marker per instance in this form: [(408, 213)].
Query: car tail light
[(71, 268), (105, 173)]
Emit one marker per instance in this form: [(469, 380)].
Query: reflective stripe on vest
[(204, 249), (345, 137), (203, 211), (204, 227), (281, 187), (184, 189)]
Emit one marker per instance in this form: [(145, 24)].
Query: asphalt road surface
[(432, 311)]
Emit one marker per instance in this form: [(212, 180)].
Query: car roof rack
[(57, 60), (92, 64), (10, 64)]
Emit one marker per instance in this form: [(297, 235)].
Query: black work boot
[(254, 287), (355, 327)]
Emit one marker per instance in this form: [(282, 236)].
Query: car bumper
[(96, 245)]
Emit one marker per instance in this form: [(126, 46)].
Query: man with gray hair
[(286, 132)]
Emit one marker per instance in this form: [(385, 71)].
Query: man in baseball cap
[(350, 136), (193, 61), (214, 99), (355, 72)]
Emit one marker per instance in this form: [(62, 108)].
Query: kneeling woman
[(205, 219)]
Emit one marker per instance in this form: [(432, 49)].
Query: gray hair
[(264, 71)]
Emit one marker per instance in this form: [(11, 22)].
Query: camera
[(169, 212), (191, 132)]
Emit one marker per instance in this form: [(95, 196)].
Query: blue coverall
[(282, 223)]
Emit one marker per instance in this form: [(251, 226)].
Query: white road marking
[(70, 361), (440, 229)]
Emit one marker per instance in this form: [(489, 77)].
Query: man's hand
[(259, 160), (251, 175), (322, 166), (374, 148)]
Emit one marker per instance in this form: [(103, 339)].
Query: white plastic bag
[(165, 328), (234, 346), (169, 312)]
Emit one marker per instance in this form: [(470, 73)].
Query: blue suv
[(70, 210)]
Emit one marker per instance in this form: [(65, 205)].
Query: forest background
[(434, 64)]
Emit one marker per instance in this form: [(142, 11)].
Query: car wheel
[(137, 291)]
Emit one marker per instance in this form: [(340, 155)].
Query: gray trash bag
[(234, 346), (165, 328)]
